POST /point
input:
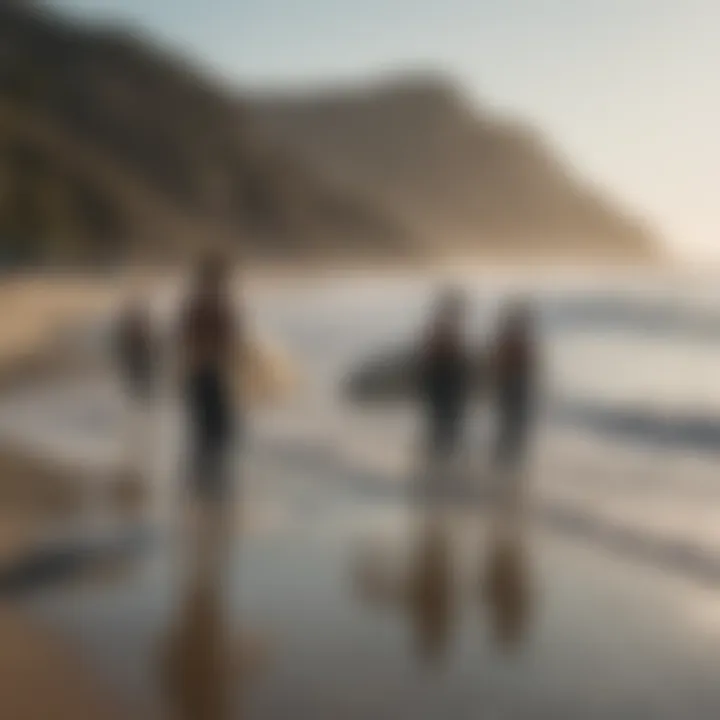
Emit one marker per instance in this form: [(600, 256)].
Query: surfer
[(444, 377), (515, 382)]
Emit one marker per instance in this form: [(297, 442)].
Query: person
[(211, 347), (515, 382), (135, 349), (444, 377), (136, 356)]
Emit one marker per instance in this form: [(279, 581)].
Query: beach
[(619, 548)]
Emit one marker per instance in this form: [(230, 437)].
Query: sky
[(626, 90)]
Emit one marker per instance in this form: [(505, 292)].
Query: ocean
[(627, 451)]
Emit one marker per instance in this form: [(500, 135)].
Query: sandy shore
[(39, 310), (40, 679)]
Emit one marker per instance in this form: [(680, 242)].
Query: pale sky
[(628, 90)]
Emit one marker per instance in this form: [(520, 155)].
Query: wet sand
[(41, 679), (368, 609), (40, 676)]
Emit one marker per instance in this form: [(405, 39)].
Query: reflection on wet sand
[(199, 663), (205, 666), (506, 587), (426, 588), (430, 597)]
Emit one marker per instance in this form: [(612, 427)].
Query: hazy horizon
[(624, 90)]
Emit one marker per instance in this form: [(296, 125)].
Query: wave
[(640, 426), (663, 318)]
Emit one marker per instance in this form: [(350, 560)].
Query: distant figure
[(136, 356), (210, 347), (515, 382), (444, 377), (136, 349)]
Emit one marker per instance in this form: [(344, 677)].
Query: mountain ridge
[(147, 117), (419, 145), (112, 146)]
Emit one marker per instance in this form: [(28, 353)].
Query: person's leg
[(219, 507), (519, 419), (132, 434), (199, 497), (128, 489), (441, 449), (512, 453), (428, 450), (505, 436), (441, 445), (455, 441)]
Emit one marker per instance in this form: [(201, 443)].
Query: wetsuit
[(444, 390), (209, 338), (515, 398), (135, 353)]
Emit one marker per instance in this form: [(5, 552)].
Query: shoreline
[(72, 295), (42, 674)]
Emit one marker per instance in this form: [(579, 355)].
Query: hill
[(111, 146), (465, 179)]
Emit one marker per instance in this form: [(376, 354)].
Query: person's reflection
[(506, 588), (430, 593), (205, 665), (136, 354), (424, 589), (199, 663), (206, 668)]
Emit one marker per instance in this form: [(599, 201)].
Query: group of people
[(450, 372), (212, 343)]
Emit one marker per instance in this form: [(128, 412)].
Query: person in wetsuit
[(444, 377), (515, 382), (135, 351), (210, 346)]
